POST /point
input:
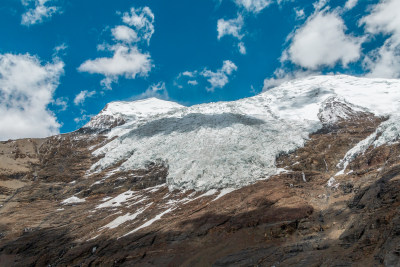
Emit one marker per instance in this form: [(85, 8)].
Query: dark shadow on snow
[(193, 122)]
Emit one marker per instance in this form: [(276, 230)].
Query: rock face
[(331, 197)]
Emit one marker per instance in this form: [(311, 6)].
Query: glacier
[(233, 144)]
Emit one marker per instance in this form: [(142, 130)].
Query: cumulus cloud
[(253, 6), (125, 34), (350, 4), (127, 59), (38, 11), (26, 89), (231, 27), (82, 96), (142, 19), (322, 41), (384, 62), (219, 78)]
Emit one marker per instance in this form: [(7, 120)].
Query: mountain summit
[(117, 113)]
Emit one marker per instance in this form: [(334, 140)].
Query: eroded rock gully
[(292, 219)]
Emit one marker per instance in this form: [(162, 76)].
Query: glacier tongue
[(232, 144)]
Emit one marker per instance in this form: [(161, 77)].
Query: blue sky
[(62, 61)]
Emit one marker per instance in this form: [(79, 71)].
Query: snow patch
[(154, 188), (224, 192), (118, 200), (208, 193), (332, 183), (122, 219), (150, 222), (73, 200)]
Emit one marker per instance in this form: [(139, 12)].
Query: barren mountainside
[(305, 174)]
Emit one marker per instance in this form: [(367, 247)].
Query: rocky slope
[(306, 174)]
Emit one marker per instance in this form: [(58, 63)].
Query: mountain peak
[(120, 112)]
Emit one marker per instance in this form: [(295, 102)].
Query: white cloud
[(188, 73), (193, 82), (320, 4), (384, 62), (219, 78), (230, 27), (322, 41), (26, 89), (281, 2), (61, 102), (81, 97), (124, 34), (281, 76), (38, 11), (158, 90), (253, 6), (142, 19), (300, 14), (384, 18), (350, 4), (126, 61), (60, 50), (242, 48), (83, 119), (235, 26), (189, 76)]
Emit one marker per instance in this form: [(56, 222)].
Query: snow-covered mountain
[(113, 193), (232, 144)]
